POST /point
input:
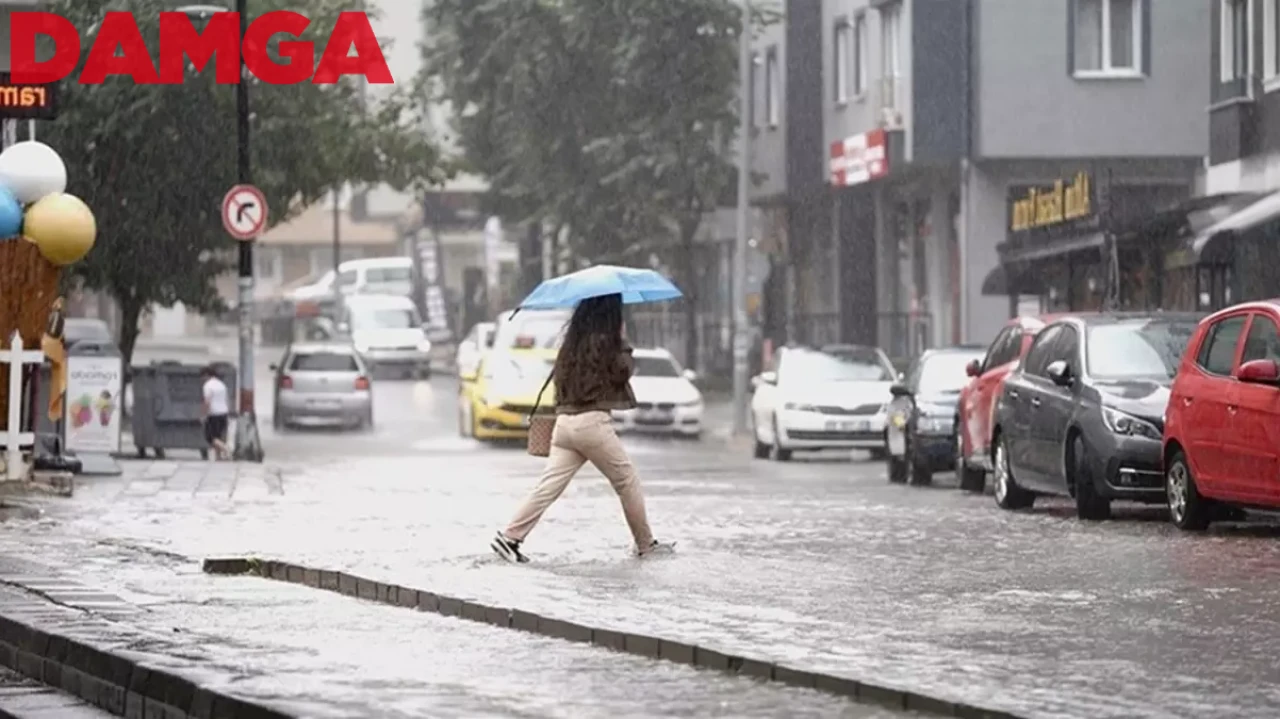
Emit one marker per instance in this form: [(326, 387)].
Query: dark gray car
[(1083, 414), (920, 434)]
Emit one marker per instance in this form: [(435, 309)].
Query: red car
[(977, 406), (1222, 428)]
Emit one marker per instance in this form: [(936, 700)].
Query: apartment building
[(979, 156)]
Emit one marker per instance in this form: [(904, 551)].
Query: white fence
[(13, 439)]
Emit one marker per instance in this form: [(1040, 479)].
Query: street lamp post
[(248, 444), (739, 294)]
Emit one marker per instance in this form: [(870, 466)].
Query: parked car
[(494, 403), (920, 436), (977, 404), (1082, 415), (666, 399), (818, 400), (472, 347), (369, 276), (322, 384), (1222, 437), (388, 333)]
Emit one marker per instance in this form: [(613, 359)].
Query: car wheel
[(779, 454), (1187, 509), (160, 452), (970, 479), (424, 373), (1008, 494), (1089, 506), (878, 454)]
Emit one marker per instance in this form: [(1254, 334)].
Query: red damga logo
[(119, 49)]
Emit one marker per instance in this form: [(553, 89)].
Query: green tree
[(612, 118), (153, 161)]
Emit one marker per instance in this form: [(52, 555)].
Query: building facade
[(987, 157)]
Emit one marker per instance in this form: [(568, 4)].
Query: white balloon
[(32, 170)]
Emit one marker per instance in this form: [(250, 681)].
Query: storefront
[(1085, 241), (1228, 251)]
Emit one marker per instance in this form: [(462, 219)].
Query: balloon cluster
[(33, 204)]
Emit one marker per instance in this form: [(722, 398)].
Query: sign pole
[(248, 445), (739, 294)]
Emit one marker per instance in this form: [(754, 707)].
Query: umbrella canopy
[(635, 286)]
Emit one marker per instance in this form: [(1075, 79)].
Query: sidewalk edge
[(113, 681), (646, 646)]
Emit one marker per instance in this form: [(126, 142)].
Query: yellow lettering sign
[(22, 97), (1046, 207)]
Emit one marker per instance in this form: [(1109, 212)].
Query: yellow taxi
[(495, 400)]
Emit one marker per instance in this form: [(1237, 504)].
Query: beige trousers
[(576, 440)]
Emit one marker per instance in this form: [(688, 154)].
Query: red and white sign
[(860, 158), (244, 212)]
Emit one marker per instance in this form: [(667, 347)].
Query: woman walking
[(592, 376)]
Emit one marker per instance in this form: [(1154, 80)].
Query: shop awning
[(1211, 242)]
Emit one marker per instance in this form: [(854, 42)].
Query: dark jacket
[(607, 388)]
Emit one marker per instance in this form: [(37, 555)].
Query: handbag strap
[(538, 401)]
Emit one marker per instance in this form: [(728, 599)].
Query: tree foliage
[(612, 118), (154, 161)]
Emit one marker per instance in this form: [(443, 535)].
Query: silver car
[(322, 384)]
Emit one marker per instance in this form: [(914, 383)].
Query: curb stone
[(638, 644)]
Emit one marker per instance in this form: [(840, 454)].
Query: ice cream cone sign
[(55, 351)]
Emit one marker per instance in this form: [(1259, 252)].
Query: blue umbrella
[(635, 286)]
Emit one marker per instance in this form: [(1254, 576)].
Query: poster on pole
[(93, 404)]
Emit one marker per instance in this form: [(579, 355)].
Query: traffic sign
[(244, 212)]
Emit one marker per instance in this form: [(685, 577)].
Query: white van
[(387, 331), (370, 276)]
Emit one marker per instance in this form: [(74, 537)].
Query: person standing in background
[(216, 410)]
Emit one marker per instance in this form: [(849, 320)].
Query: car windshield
[(945, 373), (1140, 348), (532, 330), (655, 367), (386, 319), (861, 365), (323, 362)]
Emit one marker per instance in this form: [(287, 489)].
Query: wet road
[(820, 564)]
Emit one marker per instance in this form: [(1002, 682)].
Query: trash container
[(167, 402)]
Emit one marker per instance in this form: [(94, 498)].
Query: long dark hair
[(590, 349)]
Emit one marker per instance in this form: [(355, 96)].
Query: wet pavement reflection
[(819, 564)]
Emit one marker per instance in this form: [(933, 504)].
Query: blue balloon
[(10, 215)]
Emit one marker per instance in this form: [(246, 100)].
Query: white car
[(822, 400), (472, 348), (666, 399), (388, 333), (369, 276)]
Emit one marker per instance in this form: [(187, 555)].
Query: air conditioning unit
[(890, 118)]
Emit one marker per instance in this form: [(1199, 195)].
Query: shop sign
[(860, 158), (1063, 205), (27, 102)]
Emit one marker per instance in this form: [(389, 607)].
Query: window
[(655, 367), (843, 60), (1234, 42), (996, 349), (1263, 341), (1040, 354), (808, 367), (944, 373), (755, 81), (323, 362), (1067, 348), (1108, 37), (1138, 349), (1270, 38), (859, 56), (1009, 351), (270, 264), (772, 88), (382, 275), (321, 259), (891, 54), (1218, 355)]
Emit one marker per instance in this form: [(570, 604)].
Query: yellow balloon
[(62, 226)]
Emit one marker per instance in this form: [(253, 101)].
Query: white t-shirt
[(215, 394)]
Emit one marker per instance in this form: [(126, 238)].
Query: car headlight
[(692, 404), (796, 407), (1126, 424), (935, 425)]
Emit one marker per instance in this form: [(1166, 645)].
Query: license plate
[(324, 404), (848, 426)]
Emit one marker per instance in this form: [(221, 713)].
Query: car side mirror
[(690, 375), (973, 369), (1263, 371), (1060, 372), (899, 390), (770, 378)]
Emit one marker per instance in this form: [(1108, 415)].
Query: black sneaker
[(508, 549)]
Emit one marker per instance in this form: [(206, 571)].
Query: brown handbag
[(541, 428)]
